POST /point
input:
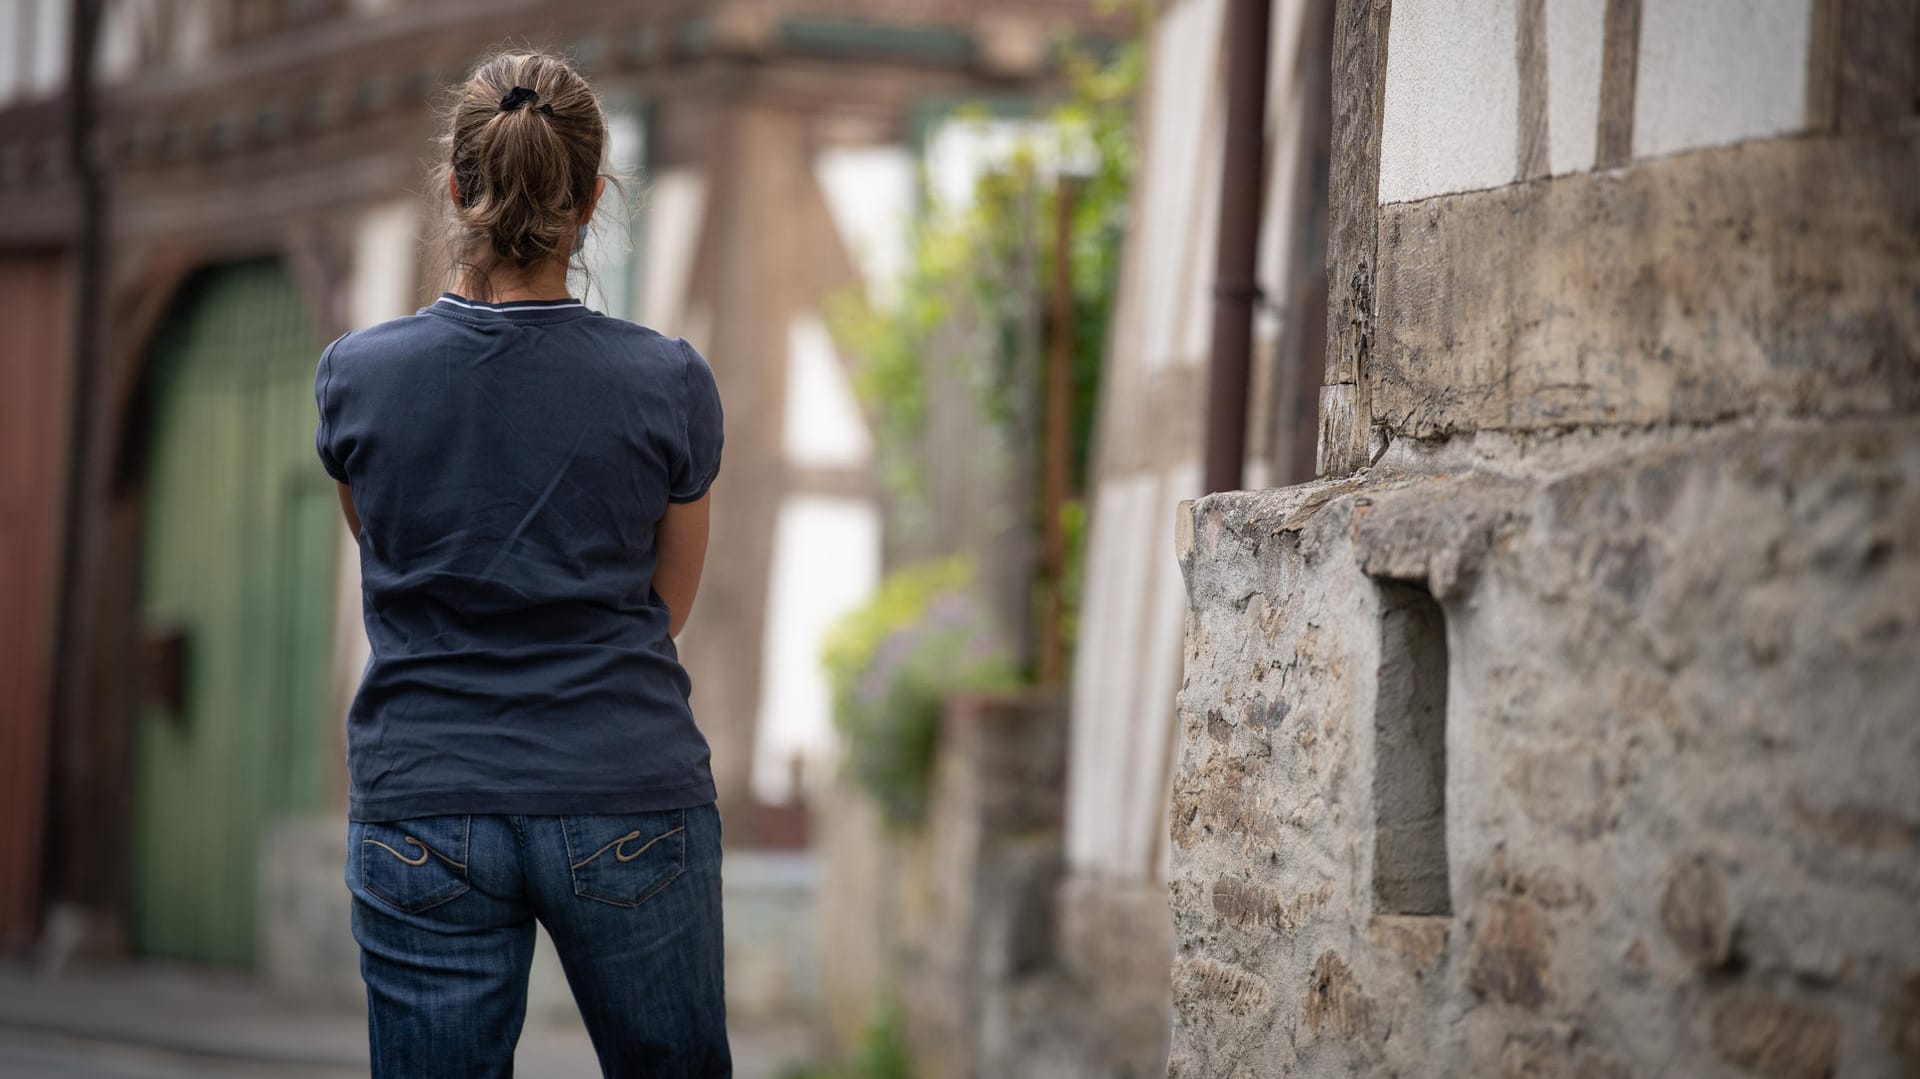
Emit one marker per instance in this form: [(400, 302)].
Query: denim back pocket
[(412, 865), (625, 859)]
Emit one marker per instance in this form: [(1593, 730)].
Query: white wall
[(1714, 72), (823, 425), (33, 47), (1575, 35), (1126, 671), (13, 45), (1182, 135), (870, 193), (1710, 73), (826, 560), (1450, 119), (52, 29), (674, 205)]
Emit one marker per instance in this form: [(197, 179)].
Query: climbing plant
[(991, 259), (891, 665), (986, 265)]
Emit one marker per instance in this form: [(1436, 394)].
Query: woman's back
[(509, 464)]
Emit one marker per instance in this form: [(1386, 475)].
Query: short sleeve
[(323, 397), (699, 459)]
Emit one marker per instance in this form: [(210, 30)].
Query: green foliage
[(882, 1053), (1073, 526), (992, 261), (893, 663)]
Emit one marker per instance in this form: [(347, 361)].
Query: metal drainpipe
[(1235, 287), (82, 105)]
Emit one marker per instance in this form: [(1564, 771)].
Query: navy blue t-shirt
[(510, 464)]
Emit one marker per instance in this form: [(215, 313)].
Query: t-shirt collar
[(458, 300)]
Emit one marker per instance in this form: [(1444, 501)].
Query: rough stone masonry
[(1570, 724)]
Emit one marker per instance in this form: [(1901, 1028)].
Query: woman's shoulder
[(633, 332), (396, 335), (673, 352)]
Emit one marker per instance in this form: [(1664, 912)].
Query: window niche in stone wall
[(1410, 754)]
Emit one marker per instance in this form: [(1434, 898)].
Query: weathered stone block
[(1693, 907), (1774, 1037), (1510, 957), (1775, 278)]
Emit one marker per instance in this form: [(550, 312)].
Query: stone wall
[(949, 922), (1681, 829), (1570, 725), (1000, 964)]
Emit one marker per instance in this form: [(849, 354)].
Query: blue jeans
[(443, 908)]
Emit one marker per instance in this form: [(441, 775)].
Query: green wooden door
[(241, 533)]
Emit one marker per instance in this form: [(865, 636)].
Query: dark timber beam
[(1235, 287)]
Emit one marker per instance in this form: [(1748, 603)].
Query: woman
[(527, 480)]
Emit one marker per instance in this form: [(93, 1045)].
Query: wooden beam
[(1878, 77), (1530, 49), (1353, 213), (1619, 68)]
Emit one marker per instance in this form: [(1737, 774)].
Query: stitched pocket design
[(414, 865), (625, 859)]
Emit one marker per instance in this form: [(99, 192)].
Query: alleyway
[(168, 1022)]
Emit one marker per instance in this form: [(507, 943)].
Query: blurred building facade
[(1113, 927), (1565, 725), (205, 193)]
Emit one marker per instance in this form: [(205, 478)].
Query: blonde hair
[(525, 141)]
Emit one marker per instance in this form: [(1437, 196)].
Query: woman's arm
[(346, 507), (683, 554)]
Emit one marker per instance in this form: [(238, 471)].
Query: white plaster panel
[(869, 193), (1290, 127), (1156, 724), (675, 213), (193, 36), (122, 27), (826, 560), (1576, 32), (386, 263), (1107, 675), (1713, 72), (12, 12), (1450, 119), (1195, 316), (1087, 734), (963, 149), (1183, 138), (824, 426), (53, 21)]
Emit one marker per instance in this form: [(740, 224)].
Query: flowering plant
[(892, 665)]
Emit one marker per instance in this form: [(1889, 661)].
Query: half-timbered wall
[(1565, 726)]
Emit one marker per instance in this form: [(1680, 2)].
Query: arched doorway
[(236, 602)]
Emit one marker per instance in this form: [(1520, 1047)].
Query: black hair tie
[(521, 95)]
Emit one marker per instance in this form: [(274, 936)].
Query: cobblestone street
[(166, 1022)]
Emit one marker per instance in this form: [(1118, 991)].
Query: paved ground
[(155, 1021)]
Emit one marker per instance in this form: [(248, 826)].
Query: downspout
[(1235, 287), (88, 236)]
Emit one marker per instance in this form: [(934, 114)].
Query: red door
[(35, 380)]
